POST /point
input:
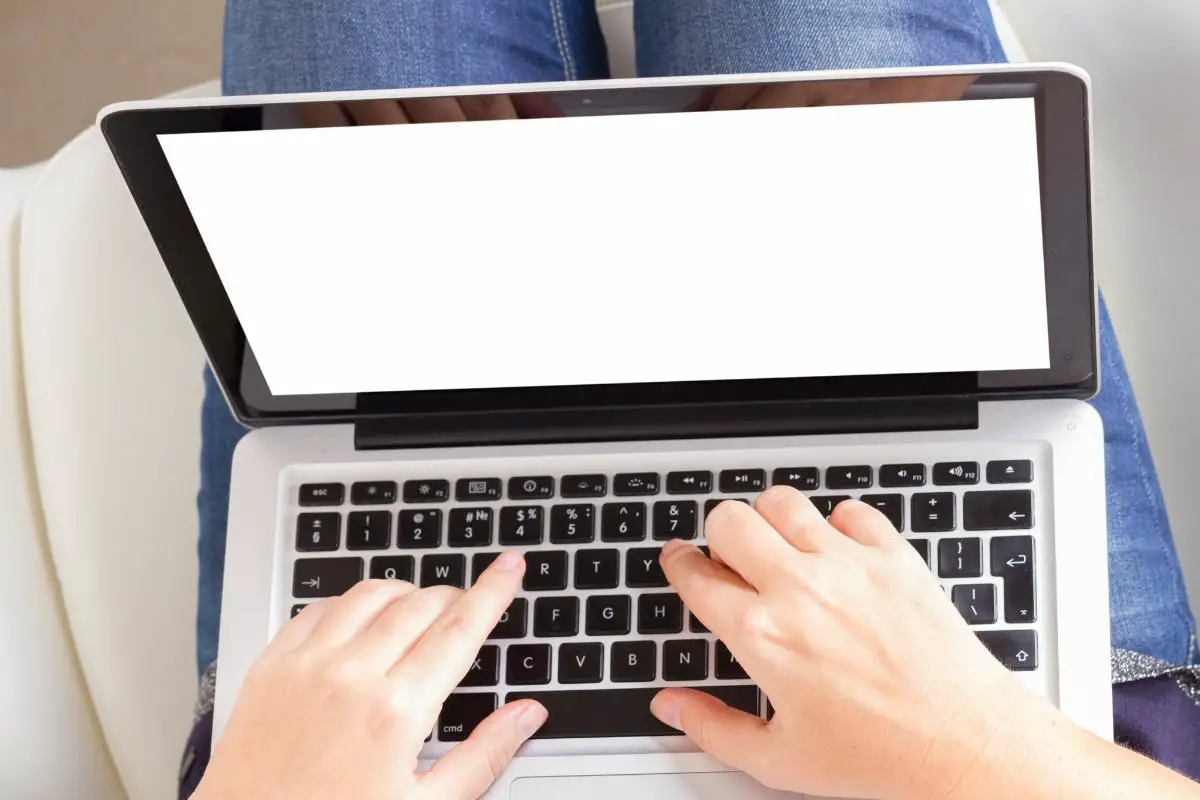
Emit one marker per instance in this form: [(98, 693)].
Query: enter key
[(1012, 561)]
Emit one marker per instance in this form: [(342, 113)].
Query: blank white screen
[(797, 242)]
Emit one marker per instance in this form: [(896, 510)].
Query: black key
[(527, 664), (545, 571), (485, 671), (597, 569), (932, 512), (369, 530), (976, 602), (1008, 471), (467, 489), (632, 661), (623, 522), (899, 476), (444, 570), (322, 494), (728, 668), (685, 660), (743, 481), (694, 482), (581, 662), (573, 524), (512, 623), (480, 562), (419, 528), (826, 503), (635, 484), (426, 491), (470, 527), (373, 493), (642, 570), (520, 525), (584, 485), (853, 477), (317, 532), (298, 608), (709, 505), (1016, 650), (956, 473), (695, 625), (805, 479), (892, 506), (922, 547), (462, 712), (998, 511), (393, 568), (555, 616), (537, 487), (1012, 560), (960, 558), (611, 713), (325, 577), (674, 519), (608, 615), (660, 613)]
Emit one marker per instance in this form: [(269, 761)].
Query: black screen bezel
[(1061, 97)]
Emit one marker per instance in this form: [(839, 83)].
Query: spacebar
[(602, 713)]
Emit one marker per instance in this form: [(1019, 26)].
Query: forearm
[(1048, 756)]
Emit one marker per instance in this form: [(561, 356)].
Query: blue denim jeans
[(330, 45)]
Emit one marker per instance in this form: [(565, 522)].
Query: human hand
[(341, 701), (879, 688)]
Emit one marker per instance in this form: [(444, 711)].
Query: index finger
[(444, 653), (716, 595)]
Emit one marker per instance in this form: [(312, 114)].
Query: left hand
[(341, 701)]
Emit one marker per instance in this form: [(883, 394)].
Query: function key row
[(638, 484)]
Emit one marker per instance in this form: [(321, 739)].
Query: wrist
[(1023, 744), (979, 749)]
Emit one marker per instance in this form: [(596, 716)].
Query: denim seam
[(980, 25), (558, 15), (1150, 498)]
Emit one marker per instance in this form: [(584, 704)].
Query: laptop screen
[(736, 244)]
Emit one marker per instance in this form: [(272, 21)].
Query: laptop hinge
[(676, 421)]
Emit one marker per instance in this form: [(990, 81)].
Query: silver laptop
[(572, 318)]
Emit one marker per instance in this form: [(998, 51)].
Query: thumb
[(733, 737), (467, 771)]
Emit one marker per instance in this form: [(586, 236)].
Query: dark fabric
[(1158, 719), (195, 756)]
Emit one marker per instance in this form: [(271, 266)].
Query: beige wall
[(61, 60)]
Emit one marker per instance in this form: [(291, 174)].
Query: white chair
[(97, 495)]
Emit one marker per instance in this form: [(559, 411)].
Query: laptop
[(571, 319)]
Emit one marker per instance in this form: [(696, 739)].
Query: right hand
[(878, 686)]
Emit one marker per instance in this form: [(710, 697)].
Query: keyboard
[(596, 630)]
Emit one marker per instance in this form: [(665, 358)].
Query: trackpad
[(698, 785)]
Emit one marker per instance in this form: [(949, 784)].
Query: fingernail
[(672, 545), (665, 709), (509, 560), (530, 720)]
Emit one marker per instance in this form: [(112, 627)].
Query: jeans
[(329, 45)]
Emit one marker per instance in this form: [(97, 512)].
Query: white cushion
[(50, 744), (113, 380)]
